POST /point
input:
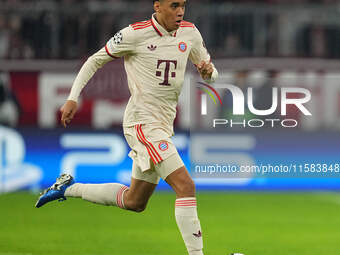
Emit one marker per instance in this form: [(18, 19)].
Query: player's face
[(170, 13)]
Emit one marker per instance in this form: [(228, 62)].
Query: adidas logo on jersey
[(152, 47)]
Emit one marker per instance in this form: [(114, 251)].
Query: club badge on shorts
[(163, 145), (182, 46)]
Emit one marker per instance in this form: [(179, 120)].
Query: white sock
[(105, 194), (189, 224)]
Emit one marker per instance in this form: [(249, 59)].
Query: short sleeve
[(198, 51), (122, 43)]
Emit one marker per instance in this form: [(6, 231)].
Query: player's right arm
[(200, 57), (89, 68), (122, 43)]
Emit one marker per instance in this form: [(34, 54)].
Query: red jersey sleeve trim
[(108, 53), (141, 27), (187, 24), (141, 23)]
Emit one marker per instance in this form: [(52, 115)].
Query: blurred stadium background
[(259, 44)]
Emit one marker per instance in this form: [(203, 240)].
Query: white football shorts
[(153, 153)]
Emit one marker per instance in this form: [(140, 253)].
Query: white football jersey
[(155, 62)]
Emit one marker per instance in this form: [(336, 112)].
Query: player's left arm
[(200, 57)]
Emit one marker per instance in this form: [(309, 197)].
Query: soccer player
[(155, 56)]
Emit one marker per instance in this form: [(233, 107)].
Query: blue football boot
[(56, 191)]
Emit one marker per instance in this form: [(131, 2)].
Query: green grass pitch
[(252, 223)]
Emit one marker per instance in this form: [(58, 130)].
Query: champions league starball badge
[(117, 38)]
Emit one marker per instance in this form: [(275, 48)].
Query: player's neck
[(160, 22)]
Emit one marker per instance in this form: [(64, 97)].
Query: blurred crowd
[(73, 29), (10, 109)]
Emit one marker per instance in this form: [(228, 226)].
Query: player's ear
[(156, 6)]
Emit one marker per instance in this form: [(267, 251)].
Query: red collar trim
[(157, 30)]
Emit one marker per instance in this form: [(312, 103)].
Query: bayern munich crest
[(163, 146), (117, 38), (182, 46)]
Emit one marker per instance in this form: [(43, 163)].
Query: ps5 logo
[(14, 172), (91, 149)]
